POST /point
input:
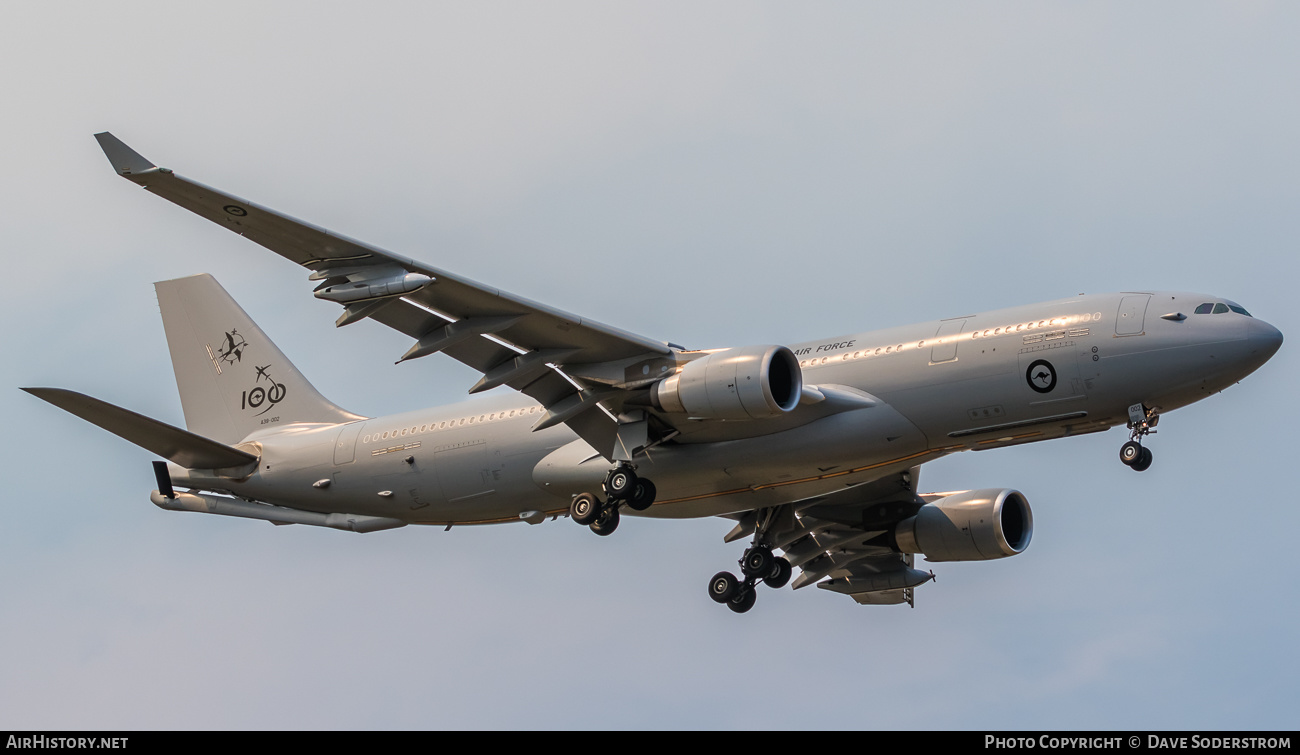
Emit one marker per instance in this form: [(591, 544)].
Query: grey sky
[(711, 174)]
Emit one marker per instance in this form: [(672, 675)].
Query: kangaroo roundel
[(1041, 376)]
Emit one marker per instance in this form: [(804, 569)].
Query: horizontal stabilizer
[(180, 446)]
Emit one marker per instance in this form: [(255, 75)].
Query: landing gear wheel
[(744, 601), (607, 522), (757, 562), (1131, 453), (584, 509), (723, 587), (780, 576), (643, 494), (620, 483), (1144, 461)]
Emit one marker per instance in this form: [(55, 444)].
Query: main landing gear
[(621, 486), (757, 565), (1142, 422)]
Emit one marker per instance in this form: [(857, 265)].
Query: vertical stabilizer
[(232, 379)]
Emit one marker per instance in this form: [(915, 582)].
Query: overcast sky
[(713, 174)]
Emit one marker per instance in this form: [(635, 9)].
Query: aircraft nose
[(1265, 339)]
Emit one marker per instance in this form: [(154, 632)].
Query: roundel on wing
[(1041, 376)]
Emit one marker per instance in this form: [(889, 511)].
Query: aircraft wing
[(840, 541), (569, 364)]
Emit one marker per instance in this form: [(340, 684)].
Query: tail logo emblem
[(270, 395), (232, 349)]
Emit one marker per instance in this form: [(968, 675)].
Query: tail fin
[(232, 379)]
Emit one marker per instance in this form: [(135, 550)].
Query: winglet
[(125, 160)]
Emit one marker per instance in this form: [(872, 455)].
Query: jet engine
[(745, 383), (976, 525)]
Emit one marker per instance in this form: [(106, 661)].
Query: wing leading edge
[(581, 371)]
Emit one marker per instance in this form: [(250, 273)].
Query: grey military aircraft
[(813, 449)]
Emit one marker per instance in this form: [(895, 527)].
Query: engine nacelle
[(976, 525), (746, 383)]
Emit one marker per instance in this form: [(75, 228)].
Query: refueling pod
[(753, 382), (396, 284), (975, 525)]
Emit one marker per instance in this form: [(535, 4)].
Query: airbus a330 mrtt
[(813, 448)]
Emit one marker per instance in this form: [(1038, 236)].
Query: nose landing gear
[(1142, 422), (1135, 455), (621, 486)]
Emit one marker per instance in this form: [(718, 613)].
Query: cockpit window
[(1218, 308)]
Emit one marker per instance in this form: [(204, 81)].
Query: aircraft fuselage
[(998, 378)]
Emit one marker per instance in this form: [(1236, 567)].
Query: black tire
[(643, 495), (744, 601), (607, 522), (780, 576), (723, 587), (1130, 453), (757, 562), (584, 509), (620, 483), (1144, 461)]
